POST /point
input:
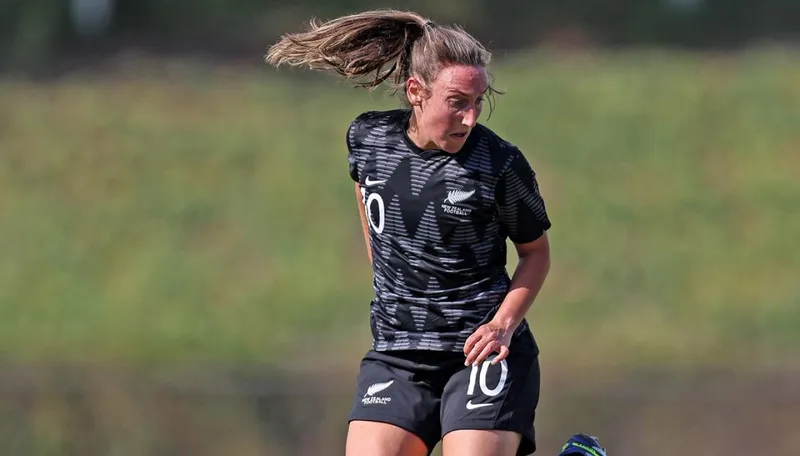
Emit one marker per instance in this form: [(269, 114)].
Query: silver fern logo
[(370, 398), (457, 196), (454, 197), (378, 387)]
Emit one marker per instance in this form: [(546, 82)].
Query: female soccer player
[(453, 357)]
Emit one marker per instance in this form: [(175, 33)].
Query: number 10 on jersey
[(485, 389), (369, 201)]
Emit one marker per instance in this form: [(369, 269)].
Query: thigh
[(370, 438), (390, 391), (472, 442), (501, 397)]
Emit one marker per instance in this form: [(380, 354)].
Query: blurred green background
[(182, 269)]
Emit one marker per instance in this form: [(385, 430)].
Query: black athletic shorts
[(432, 393)]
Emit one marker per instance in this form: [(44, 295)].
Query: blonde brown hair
[(360, 47)]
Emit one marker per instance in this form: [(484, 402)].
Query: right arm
[(363, 216), (353, 133)]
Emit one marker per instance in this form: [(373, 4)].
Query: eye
[(458, 103)]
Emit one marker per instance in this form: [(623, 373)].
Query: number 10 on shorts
[(482, 382)]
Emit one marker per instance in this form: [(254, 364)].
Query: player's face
[(446, 116)]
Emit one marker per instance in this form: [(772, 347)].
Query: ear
[(415, 91)]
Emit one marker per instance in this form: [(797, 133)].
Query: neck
[(417, 136)]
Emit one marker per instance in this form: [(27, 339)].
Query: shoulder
[(371, 122), (501, 151)]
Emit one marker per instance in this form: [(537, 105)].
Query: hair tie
[(429, 24)]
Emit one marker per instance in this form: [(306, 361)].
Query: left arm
[(529, 276), (532, 269)]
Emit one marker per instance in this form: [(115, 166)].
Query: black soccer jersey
[(438, 225)]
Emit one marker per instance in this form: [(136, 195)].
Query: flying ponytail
[(358, 47), (379, 46)]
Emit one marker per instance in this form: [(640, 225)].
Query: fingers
[(487, 350), (474, 351), (503, 354), (482, 343), (471, 355), (480, 351), (470, 343)]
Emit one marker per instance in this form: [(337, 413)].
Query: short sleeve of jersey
[(353, 137), (520, 205)]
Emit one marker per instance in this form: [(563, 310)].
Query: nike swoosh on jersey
[(471, 406), (370, 183)]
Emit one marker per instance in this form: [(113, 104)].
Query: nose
[(470, 118)]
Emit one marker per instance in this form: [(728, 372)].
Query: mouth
[(459, 135)]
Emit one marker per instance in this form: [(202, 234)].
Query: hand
[(487, 339)]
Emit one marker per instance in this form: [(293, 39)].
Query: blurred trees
[(33, 30)]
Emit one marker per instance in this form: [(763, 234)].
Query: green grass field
[(205, 214)]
